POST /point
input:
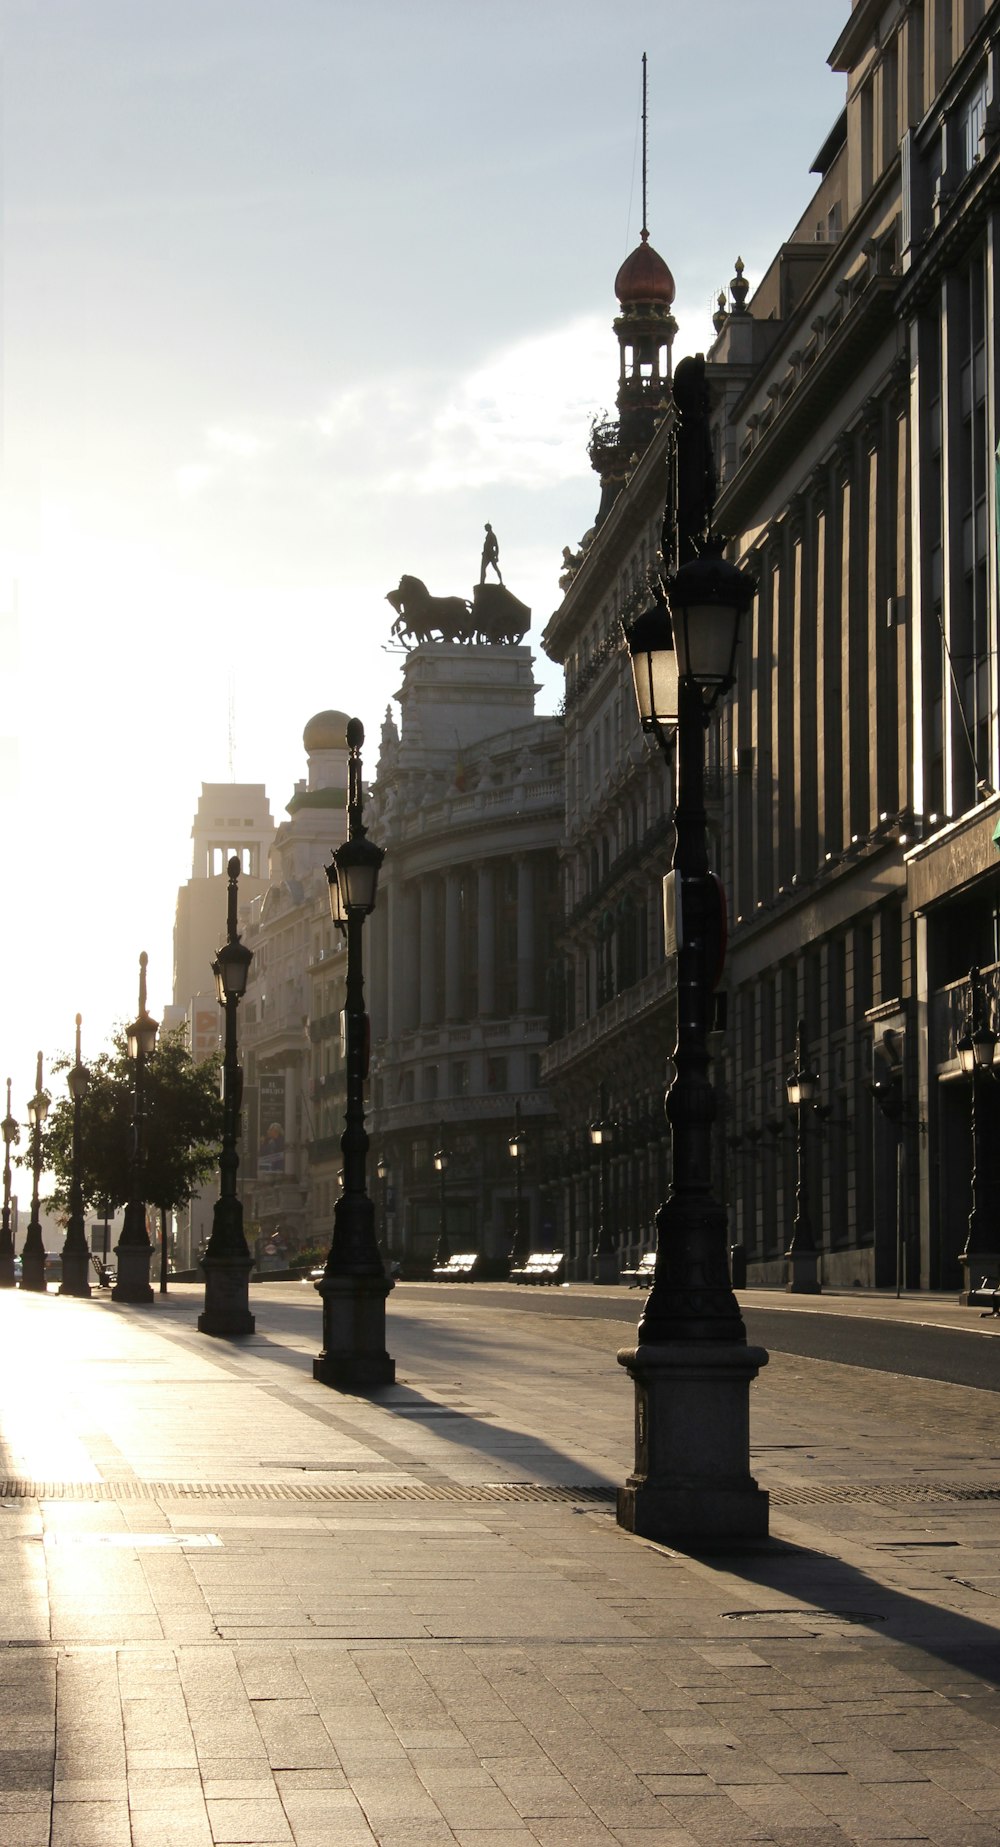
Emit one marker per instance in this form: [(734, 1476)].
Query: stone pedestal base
[(692, 1483), (33, 1271), (133, 1273), (227, 1298), (803, 1273), (75, 1273), (354, 1356), (605, 1267)]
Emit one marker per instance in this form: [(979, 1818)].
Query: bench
[(986, 1297), (458, 1269), (643, 1272), (540, 1267)]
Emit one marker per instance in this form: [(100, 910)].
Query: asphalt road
[(908, 1349)]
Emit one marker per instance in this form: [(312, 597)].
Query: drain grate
[(476, 1493), (881, 1494)]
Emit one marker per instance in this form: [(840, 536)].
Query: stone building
[(290, 1020), (857, 398), (232, 820), (612, 999), (468, 803), (853, 778)]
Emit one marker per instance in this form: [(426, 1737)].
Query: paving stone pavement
[(238, 1607)]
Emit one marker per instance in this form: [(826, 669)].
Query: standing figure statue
[(491, 555)]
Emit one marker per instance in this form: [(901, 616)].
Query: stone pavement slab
[(239, 1607)]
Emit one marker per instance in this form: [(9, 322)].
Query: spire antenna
[(646, 228)]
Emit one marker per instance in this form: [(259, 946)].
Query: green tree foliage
[(182, 1128)]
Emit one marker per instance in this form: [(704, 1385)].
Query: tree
[(182, 1128)]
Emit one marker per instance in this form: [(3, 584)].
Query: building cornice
[(819, 391)]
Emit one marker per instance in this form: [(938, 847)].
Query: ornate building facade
[(232, 820), (612, 997), (856, 419), (290, 1020), (856, 429), (468, 802)]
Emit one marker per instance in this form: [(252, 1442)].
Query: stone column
[(453, 946), (428, 949), (409, 988), (487, 941), (525, 936)]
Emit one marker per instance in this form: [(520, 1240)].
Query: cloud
[(519, 419)]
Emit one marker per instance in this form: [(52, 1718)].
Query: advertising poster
[(271, 1134)]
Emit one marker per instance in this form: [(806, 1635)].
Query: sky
[(297, 294)]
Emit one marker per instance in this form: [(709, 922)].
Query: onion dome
[(327, 731), (644, 277)]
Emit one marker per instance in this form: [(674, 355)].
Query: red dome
[(644, 276)]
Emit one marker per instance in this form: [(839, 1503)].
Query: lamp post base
[(33, 1270), (8, 1279), (691, 1484), (75, 1273), (354, 1355), (133, 1273), (803, 1273), (227, 1298)]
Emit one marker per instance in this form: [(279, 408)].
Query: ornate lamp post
[(976, 1049), (33, 1253), (11, 1133), (227, 1262), (76, 1255), (517, 1147), (133, 1249), (440, 1160), (354, 1285), (692, 1367), (605, 1260), (802, 1256)]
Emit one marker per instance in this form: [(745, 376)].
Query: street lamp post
[(605, 1259), (133, 1250), (227, 1262), (354, 1285), (33, 1253), (76, 1254), (517, 1149), (440, 1159), (802, 1256), (976, 1049), (11, 1133), (692, 1367)]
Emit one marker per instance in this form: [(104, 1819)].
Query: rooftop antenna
[(646, 228)]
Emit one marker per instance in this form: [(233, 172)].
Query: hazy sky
[(296, 295)]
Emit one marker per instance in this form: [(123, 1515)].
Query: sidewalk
[(238, 1607)]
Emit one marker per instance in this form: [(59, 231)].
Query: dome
[(644, 277), (327, 731)]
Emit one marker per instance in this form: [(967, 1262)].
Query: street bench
[(458, 1269), (540, 1267), (986, 1297), (643, 1272)]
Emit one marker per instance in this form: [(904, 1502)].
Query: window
[(496, 1074)]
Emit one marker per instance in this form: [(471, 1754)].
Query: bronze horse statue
[(420, 615)]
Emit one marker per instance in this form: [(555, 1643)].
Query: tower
[(645, 330)]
